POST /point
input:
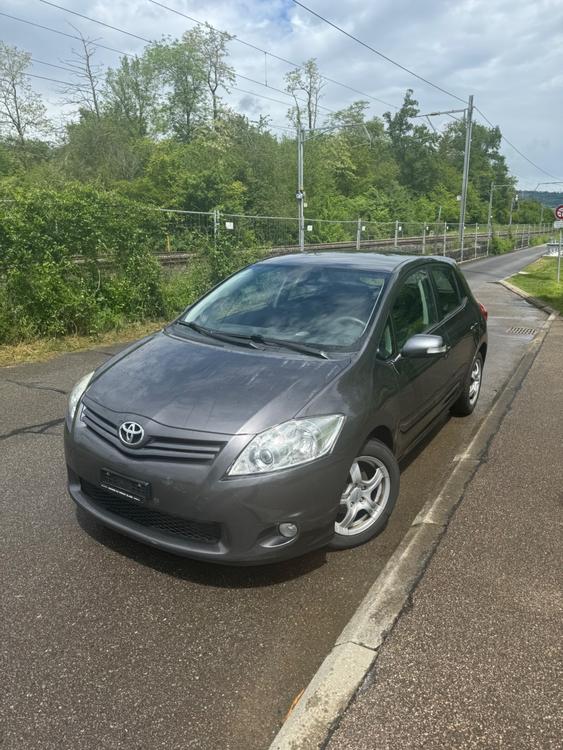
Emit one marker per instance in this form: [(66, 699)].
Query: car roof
[(360, 260)]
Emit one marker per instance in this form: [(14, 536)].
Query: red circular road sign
[(559, 212)]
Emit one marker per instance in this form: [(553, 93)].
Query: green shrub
[(45, 290), (500, 245)]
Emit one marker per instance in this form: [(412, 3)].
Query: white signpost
[(558, 224)]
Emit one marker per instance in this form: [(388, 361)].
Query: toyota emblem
[(131, 433)]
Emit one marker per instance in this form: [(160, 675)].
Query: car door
[(457, 320), (414, 311)]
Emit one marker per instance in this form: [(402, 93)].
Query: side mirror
[(423, 345)]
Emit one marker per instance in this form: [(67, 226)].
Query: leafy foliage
[(154, 133)]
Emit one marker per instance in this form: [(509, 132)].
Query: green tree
[(180, 65), (414, 146), (308, 81), (219, 74), (21, 109), (131, 94)]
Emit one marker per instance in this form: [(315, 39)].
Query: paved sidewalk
[(476, 662)]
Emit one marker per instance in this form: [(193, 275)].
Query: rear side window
[(447, 288), (413, 311)]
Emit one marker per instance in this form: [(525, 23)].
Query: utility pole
[(511, 210), (358, 234), (300, 194), (490, 216), (466, 156)]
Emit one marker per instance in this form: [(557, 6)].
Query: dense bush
[(500, 245), (46, 290)]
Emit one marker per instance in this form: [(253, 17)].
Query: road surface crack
[(34, 386), (34, 429)]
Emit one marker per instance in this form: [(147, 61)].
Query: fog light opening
[(288, 530)]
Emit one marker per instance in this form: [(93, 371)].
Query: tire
[(364, 512), (467, 401)]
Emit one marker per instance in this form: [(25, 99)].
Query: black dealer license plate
[(132, 489)]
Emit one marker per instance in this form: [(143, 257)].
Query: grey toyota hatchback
[(269, 418)]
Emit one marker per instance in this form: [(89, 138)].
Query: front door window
[(414, 310)]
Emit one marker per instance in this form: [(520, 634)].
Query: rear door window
[(447, 290)]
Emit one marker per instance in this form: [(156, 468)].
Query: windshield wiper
[(253, 339), (212, 333), (293, 345)]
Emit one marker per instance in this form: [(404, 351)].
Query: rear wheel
[(467, 401), (369, 496)]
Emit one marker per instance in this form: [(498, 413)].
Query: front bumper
[(244, 511)]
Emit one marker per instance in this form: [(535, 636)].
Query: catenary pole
[(466, 156), (300, 195)]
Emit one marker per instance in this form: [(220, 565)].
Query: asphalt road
[(106, 644)]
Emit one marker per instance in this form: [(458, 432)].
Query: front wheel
[(369, 496), (467, 401)]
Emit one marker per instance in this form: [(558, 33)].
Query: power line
[(54, 80), (61, 33), (505, 139), (262, 96), (94, 20), (52, 65), (244, 91), (377, 52), (148, 41), (280, 91), (420, 78), (272, 54), (201, 23)]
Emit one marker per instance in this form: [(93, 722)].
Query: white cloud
[(509, 53)]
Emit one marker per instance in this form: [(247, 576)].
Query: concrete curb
[(528, 297), (341, 674)]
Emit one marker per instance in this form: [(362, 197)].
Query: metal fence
[(280, 234)]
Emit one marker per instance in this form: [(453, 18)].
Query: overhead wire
[(518, 151), (419, 77), (377, 52), (272, 54), (148, 41)]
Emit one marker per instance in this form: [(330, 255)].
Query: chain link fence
[(280, 234)]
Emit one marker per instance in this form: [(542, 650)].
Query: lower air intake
[(195, 531)]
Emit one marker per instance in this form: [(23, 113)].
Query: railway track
[(431, 245)]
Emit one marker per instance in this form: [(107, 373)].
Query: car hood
[(183, 383)]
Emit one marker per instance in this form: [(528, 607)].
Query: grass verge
[(40, 350), (540, 280)]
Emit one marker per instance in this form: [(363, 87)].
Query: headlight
[(76, 394), (289, 444)]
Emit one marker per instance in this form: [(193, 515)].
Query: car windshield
[(326, 307)]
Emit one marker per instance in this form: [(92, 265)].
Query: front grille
[(195, 531), (159, 447)]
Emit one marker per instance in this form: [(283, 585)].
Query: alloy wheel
[(475, 382), (365, 496)]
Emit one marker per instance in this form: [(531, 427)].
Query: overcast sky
[(508, 53)]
